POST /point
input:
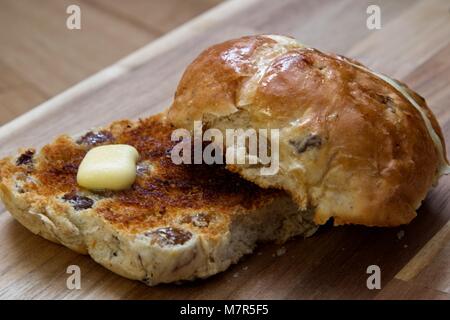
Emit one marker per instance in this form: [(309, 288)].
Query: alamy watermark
[(73, 282), (373, 21), (374, 280), (73, 21), (242, 146)]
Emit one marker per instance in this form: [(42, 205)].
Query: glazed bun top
[(354, 145)]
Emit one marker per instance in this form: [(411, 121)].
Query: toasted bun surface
[(355, 147), (177, 222)]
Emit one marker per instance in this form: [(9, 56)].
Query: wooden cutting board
[(412, 45)]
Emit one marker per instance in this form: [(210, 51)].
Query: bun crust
[(352, 146)]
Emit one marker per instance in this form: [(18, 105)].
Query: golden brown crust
[(373, 161), (228, 64)]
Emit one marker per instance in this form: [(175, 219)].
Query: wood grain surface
[(40, 57), (413, 45)]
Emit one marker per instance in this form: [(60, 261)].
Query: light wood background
[(40, 57), (413, 45)]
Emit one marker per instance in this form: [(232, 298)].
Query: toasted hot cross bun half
[(355, 145), (176, 222)]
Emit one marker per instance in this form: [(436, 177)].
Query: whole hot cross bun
[(355, 145)]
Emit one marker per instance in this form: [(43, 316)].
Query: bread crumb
[(281, 251), (245, 268), (405, 246), (400, 234), (236, 275)]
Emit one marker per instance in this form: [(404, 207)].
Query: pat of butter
[(111, 167)]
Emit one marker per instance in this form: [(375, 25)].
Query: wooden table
[(413, 45), (40, 57)]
